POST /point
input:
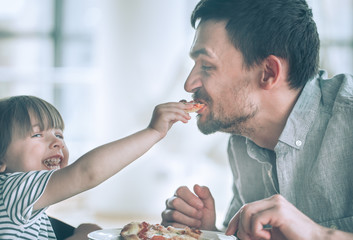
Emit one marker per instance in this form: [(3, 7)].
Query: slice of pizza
[(196, 106), (146, 231)]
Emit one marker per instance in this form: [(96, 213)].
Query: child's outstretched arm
[(104, 161)]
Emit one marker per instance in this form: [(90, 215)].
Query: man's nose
[(193, 82)]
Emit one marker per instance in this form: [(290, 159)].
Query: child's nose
[(56, 143)]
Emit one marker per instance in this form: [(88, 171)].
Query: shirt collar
[(302, 116)]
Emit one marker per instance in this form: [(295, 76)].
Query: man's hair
[(15, 114), (259, 28)]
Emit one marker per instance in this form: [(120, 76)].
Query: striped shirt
[(18, 192)]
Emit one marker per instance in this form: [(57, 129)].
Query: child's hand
[(83, 230), (165, 115)]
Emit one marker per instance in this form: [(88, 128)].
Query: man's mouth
[(52, 163), (201, 102)]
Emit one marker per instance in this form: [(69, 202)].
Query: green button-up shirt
[(312, 163)]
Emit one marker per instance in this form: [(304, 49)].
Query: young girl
[(34, 158)]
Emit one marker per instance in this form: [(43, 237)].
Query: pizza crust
[(130, 231)]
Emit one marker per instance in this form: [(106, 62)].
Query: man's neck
[(270, 122)]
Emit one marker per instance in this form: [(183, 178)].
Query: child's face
[(40, 150)]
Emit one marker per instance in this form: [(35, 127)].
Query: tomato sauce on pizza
[(146, 231), (196, 106)]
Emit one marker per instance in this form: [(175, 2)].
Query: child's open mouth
[(52, 163)]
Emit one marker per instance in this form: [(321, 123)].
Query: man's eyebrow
[(201, 51)]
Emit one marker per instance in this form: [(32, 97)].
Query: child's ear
[(2, 167), (272, 69)]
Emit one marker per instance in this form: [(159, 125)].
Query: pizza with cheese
[(196, 106), (146, 231)]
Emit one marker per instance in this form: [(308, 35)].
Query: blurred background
[(105, 64)]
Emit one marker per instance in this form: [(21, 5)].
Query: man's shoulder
[(336, 91), (338, 86)]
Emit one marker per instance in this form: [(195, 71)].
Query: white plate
[(208, 235), (114, 234), (105, 234)]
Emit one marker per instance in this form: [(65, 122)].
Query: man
[(256, 71)]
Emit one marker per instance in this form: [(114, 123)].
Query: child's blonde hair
[(15, 114)]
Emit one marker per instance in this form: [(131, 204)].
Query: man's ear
[(272, 68)]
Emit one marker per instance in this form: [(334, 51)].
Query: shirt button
[(298, 143)]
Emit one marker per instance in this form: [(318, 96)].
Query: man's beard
[(228, 125), (221, 123)]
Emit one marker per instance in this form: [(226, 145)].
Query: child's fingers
[(176, 115), (165, 116), (182, 105), (176, 107)]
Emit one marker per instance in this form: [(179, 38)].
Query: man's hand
[(273, 218), (190, 209)]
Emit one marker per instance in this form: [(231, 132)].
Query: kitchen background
[(105, 64)]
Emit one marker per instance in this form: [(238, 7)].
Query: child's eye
[(59, 136), (36, 135)]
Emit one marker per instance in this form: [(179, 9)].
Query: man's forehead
[(196, 52), (209, 36)]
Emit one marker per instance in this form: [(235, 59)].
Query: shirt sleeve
[(236, 202), (21, 191)]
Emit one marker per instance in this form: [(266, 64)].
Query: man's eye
[(36, 135), (206, 68)]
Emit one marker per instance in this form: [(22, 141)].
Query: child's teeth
[(52, 163)]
